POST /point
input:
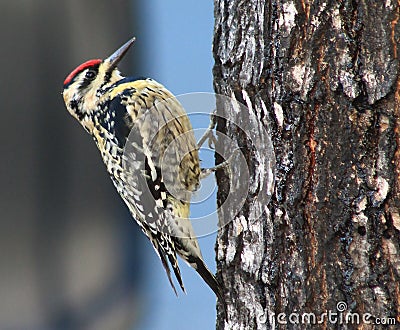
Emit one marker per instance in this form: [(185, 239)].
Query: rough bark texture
[(323, 78)]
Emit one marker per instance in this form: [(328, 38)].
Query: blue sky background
[(178, 43)]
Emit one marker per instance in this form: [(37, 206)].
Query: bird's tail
[(208, 277), (161, 253)]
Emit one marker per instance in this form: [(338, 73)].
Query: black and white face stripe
[(90, 74), (84, 77), (71, 78), (80, 83)]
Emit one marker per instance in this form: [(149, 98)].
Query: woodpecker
[(163, 163)]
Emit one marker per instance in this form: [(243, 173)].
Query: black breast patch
[(117, 120)]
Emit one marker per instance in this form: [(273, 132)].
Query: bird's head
[(83, 86)]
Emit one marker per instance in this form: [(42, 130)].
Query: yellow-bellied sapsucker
[(111, 108)]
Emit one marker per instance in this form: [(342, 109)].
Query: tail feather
[(174, 263), (167, 253), (198, 264), (165, 250), (208, 277), (161, 253)]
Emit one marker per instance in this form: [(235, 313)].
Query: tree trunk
[(323, 79)]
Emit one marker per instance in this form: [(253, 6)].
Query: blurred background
[(71, 257)]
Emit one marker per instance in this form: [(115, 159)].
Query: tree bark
[(323, 79)]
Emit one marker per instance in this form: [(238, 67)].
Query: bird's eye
[(90, 75)]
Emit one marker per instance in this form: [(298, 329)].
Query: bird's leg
[(209, 135), (205, 172)]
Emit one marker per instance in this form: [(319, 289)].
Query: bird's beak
[(117, 56)]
